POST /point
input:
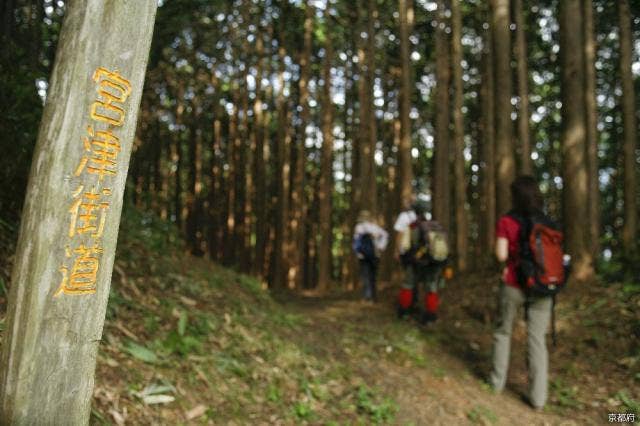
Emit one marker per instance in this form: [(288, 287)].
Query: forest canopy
[(266, 126)]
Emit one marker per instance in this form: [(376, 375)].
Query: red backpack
[(541, 269)]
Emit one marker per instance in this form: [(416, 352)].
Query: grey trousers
[(538, 318)]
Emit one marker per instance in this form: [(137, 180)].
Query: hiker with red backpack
[(530, 244), (369, 240), (423, 252)]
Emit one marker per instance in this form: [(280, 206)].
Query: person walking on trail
[(513, 233), (369, 240), (423, 252), (402, 245)]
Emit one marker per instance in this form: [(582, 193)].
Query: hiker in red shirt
[(527, 201)]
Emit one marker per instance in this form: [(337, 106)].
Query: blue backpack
[(364, 246)]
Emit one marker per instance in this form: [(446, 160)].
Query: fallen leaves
[(117, 417), (187, 301), (141, 353), (124, 330), (197, 411), (156, 394)]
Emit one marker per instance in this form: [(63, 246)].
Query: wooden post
[(64, 259)]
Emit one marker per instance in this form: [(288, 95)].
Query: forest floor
[(189, 342)]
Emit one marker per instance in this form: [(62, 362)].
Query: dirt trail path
[(439, 389)]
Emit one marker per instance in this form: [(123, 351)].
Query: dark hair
[(419, 207), (525, 195)]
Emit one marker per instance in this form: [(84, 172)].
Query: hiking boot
[(536, 408)]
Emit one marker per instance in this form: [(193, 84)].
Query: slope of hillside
[(189, 342)]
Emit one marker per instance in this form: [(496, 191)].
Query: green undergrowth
[(480, 414), (187, 341)]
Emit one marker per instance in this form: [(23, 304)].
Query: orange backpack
[(542, 268)]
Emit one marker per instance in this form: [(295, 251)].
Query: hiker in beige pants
[(538, 312), (526, 199)]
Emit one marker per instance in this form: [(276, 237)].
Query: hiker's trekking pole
[(553, 320)]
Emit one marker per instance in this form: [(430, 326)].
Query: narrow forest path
[(443, 378), (189, 342), (432, 387)]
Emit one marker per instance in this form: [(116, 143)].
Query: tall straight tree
[(194, 187), (283, 168), (229, 255), (366, 179), (628, 99), (157, 166), (460, 187), (242, 178), (405, 171), (350, 152), (216, 193), (298, 205), (440, 187), (574, 172), (177, 158), (592, 126), (360, 138), (260, 154), (326, 166), (488, 185), (505, 162), (64, 259), (524, 131)]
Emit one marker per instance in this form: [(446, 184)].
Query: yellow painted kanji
[(88, 212), (114, 91), (84, 272), (101, 153)]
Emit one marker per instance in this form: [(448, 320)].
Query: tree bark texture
[(488, 172), (298, 205), (365, 192), (591, 112), (177, 158), (283, 162), (194, 200), (524, 130), (505, 161), (460, 182), (405, 171), (574, 176), (325, 184), (630, 126), (230, 179), (260, 154), (215, 196), (243, 181), (441, 189)]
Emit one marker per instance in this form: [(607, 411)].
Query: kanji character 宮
[(113, 89)]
